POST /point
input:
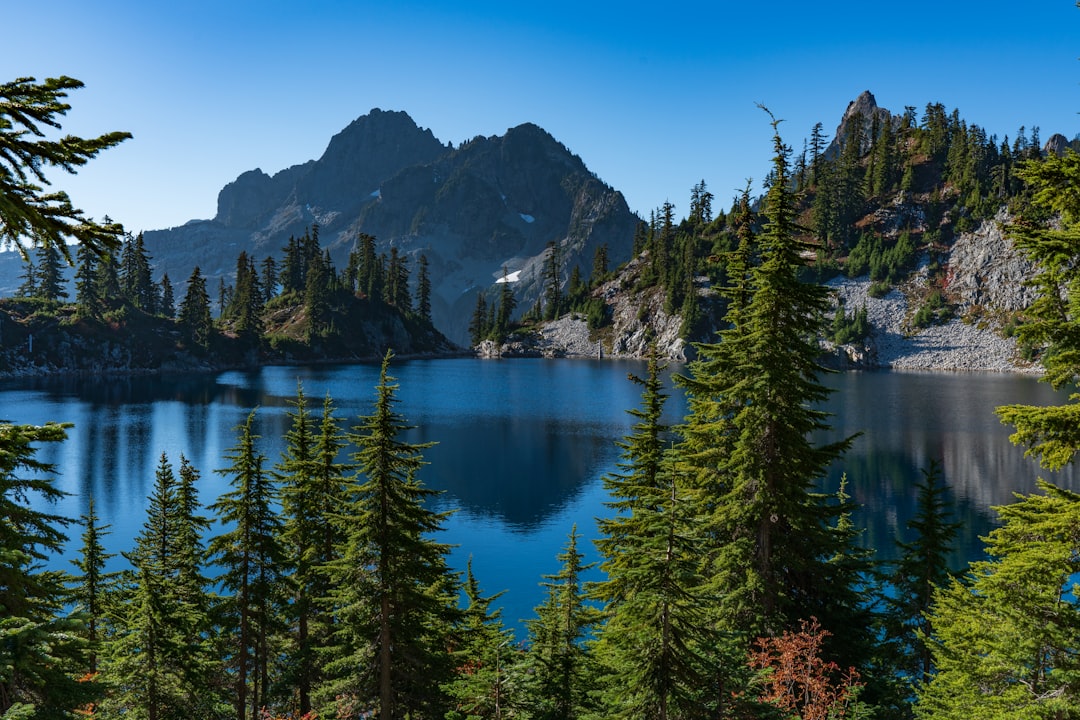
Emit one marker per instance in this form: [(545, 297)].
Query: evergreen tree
[(160, 662), (1004, 645), (194, 317), (269, 278), (27, 211), (50, 274), (250, 554), (28, 288), (312, 493), (394, 597), (87, 301), (599, 264), (317, 300), (423, 290), (507, 305), (654, 632), (478, 325), (135, 277), (753, 401), (42, 651), (107, 281), (552, 281), (561, 673), (168, 302), (478, 689), (92, 586), (922, 569)]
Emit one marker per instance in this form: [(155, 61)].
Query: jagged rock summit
[(490, 205)]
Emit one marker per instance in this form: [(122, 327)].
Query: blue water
[(522, 446)]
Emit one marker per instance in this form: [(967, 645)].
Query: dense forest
[(316, 586)]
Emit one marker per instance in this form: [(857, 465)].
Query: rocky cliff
[(489, 205)]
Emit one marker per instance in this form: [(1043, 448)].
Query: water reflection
[(522, 445)]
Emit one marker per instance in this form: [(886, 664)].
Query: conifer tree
[(317, 300), (28, 288), (107, 280), (560, 669), (1004, 645), (312, 485), (92, 586), (478, 325), (753, 401), (27, 210), (269, 278), (87, 301), (42, 651), (168, 300), (250, 554), (50, 274), (160, 663), (654, 632), (922, 569), (483, 655), (194, 317), (394, 597), (423, 290), (600, 264), (552, 281)]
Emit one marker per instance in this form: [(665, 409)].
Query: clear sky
[(654, 97)]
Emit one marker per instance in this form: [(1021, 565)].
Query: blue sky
[(653, 96)]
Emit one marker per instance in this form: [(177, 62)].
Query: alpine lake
[(522, 447)]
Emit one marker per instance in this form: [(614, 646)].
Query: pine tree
[(269, 278), (478, 689), (654, 632), (395, 598), (560, 669), (317, 300), (194, 317), (27, 211), (599, 264), (478, 325), (1004, 645), (50, 274), (42, 651), (312, 493), (251, 558), (28, 288), (92, 586), (747, 438)]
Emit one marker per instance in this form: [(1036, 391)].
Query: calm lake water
[(522, 446)]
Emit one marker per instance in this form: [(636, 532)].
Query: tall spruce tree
[(50, 274), (194, 317), (394, 596), (561, 672), (753, 400), (1004, 644), (312, 485), (250, 555), (654, 635), (42, 650), (93, 585)]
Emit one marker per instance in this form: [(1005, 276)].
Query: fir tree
[(478, 689), (312, 492), (1004, 644), (92, 586), (655, 631), (561, 673), (168, 301), (423, 290), (250, 554), (394, 597), (922, 569), (194, 317), (42, 651), (50, 274), (87, 301), (27, 211), (752, 405)]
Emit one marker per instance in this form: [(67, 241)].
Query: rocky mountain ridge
[(476, 211)]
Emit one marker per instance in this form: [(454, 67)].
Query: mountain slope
[(490, 204)]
